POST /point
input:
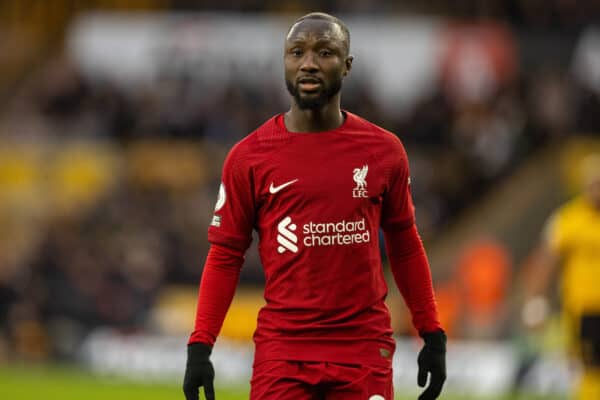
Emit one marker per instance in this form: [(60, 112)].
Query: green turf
[(59, 383)]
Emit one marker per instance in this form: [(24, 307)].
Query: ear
[(348, 63)]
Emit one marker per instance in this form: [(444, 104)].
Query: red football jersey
[(317, 201)]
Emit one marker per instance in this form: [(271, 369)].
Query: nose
[(309, 63)]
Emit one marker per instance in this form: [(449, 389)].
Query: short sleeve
[(398, 209), (555, 232), (233, 218)]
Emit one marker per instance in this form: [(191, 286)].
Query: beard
[(314, 103)]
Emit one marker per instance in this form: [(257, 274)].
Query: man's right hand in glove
[(199, 371)]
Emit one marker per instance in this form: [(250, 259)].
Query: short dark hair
[(330, 18)]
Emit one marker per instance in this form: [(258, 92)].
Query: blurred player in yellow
[(571, 247)]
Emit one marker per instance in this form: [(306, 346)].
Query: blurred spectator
[(484, 272), (585, 67)]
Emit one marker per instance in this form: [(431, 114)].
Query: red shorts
[(301, 380)]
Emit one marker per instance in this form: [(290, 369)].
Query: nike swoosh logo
[(275, 189)]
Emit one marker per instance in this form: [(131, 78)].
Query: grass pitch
[(60, 383)]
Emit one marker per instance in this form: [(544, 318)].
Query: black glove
[(199, 371), (432, 359)]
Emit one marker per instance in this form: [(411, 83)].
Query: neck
[(325, 118)]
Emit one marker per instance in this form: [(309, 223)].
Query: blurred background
[(115, 118)]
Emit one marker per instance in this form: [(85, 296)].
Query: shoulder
[(359, 123), (384, 145), (377, 133), (571, 208), (254, 144), (561, 219)]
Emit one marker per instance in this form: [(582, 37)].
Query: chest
[(345, 177), (584, 234)]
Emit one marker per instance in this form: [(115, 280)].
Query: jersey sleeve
[(234, 214), (217, 287), (398, 210), (412, 275), (555, 231)]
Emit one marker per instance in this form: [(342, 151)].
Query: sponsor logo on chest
[(316, 234)]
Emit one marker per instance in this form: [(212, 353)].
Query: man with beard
[(317, 183)]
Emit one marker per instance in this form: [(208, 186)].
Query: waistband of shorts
[(344, 351)]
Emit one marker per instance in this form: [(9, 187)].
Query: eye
[(296, 52), (325, 53)]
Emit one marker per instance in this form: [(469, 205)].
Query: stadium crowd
[(107, 193)]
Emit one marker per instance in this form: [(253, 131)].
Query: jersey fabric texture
[(317, 201), (574, 233), (299, 380)]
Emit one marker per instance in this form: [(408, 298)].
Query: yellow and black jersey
[(573, 232)]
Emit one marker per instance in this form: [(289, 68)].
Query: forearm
[(546, 265), (217, 288), (412, 275), (539, 273)]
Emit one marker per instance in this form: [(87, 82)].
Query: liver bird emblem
[(360, 176)]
